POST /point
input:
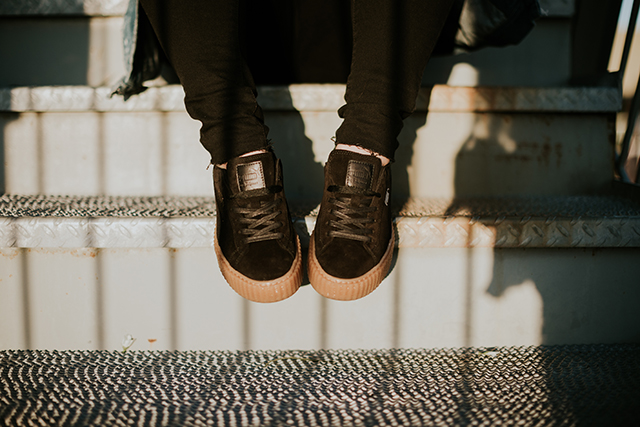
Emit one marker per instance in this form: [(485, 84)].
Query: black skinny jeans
[(392, 42)]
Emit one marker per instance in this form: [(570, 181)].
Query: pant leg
[(392, 42), (201, 38)]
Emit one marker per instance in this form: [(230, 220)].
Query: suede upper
[(253, 228), (354, 224)]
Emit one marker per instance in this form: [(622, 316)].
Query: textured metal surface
[(106, 222), (320, 98), (107, 232), (538, 222), (68, 206), (519, 233), (546, 207), (63, 7), (563, 386), (176, 222)]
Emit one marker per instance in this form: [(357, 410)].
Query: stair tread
[(581, 384), (551, 8), (597, 206), (104, 221), (320, 97)]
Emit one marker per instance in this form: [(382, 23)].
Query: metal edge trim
[(421, 232)]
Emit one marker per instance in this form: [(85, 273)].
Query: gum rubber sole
[(262, 290), (348, 289)]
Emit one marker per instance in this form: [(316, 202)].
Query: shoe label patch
[(359, 174), (250, 176)]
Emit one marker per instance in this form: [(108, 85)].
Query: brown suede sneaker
[(352, 244), (258, 250)]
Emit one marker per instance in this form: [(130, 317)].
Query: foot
[(352, 244), (257, 248)]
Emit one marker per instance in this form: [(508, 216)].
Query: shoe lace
[(260, 221), (351, 217)]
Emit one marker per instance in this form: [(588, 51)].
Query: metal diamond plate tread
[(326, 97), (18, 206), (594, 385), (179, 222)]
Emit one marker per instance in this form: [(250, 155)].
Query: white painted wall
[(452, 297)]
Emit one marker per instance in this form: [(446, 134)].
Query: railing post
[(634, 110)]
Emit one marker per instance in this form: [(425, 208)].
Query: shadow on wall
[(535, 155), (62, 51), (289, 42), (583, 302), (304, 176), (62, 48)]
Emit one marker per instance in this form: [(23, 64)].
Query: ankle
[(360, 150), (251, 153)]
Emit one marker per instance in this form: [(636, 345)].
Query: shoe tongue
[(251, 173), (352, 169)]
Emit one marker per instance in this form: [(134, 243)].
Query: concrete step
[(485, 141), (80, 273), (186, 222), (531, 63), (78, 42)]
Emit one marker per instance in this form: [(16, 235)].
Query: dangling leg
[(258, 250), (352, 244), (202, 40)]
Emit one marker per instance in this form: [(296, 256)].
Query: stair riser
[(448, 154), (57, 8), (531, 63), (88, 299), (61, 51), (88, 51)]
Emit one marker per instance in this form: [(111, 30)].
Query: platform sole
[(262, 290), (348, 289)]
